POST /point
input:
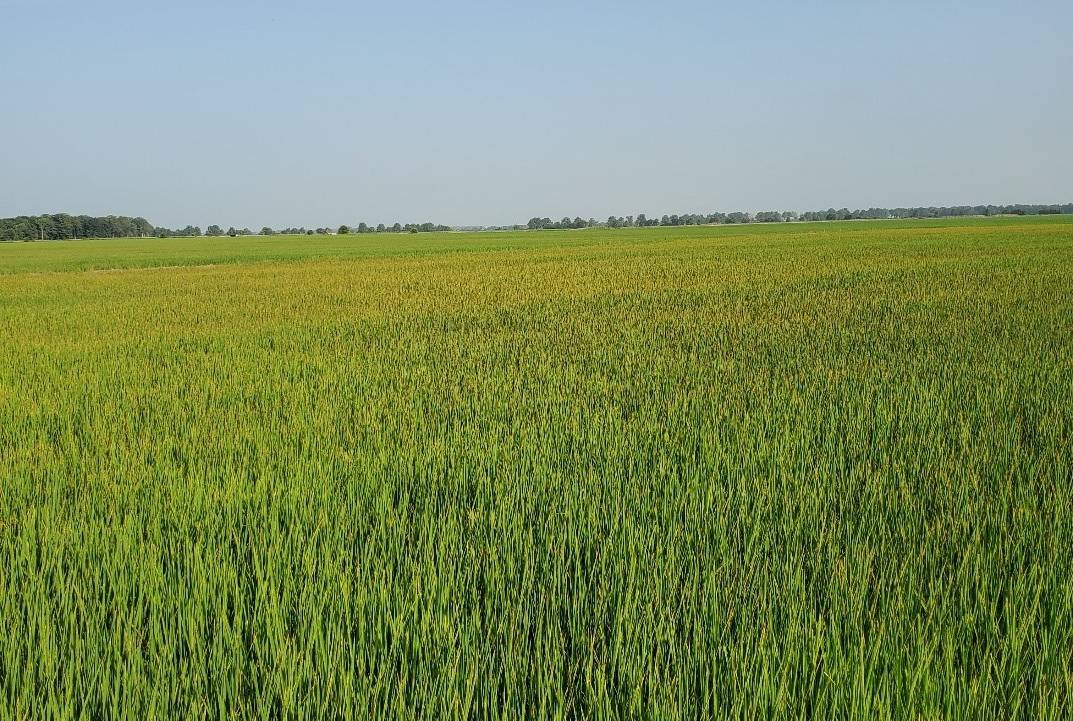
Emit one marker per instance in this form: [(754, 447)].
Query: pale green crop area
[(813, 471)]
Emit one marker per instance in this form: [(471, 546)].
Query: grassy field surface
[(115, 253), (815, 471)]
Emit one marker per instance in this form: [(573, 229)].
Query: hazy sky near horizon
[(318, 113)]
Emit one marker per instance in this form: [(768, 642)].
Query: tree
[(363, 228), (214, 230), (380, 228), (344, 230), (267, 231)]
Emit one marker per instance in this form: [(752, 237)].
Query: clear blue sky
[(316, 113)]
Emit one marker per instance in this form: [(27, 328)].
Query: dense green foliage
[(806, 471), (62, 227)]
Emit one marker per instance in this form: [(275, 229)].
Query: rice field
[(804, 471)]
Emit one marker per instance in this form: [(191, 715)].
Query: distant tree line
[(643, 221), (395, 228), (934, 212), (195, 231), (341, 230), (190, 230), (786, 216), (565, 223), (62, 226)]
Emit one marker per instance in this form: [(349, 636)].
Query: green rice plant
[(796, 472)]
